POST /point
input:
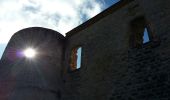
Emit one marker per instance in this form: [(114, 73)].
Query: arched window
[(140, 32)]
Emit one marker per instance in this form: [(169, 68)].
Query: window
[(76, 58), (145, 36), (140, 32)]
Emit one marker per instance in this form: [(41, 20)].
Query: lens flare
[(29, 53)]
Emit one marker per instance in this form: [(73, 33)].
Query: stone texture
[(110, 70), (37, 78)]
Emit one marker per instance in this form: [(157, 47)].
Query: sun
[(29, 53)]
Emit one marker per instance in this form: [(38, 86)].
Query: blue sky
[(79, 52), (59, 15), (145, 37)]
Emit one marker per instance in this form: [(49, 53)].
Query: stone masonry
[(115, 63)]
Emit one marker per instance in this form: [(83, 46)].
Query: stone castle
[(115, 62)]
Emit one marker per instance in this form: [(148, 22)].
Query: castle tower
[(37, 78)]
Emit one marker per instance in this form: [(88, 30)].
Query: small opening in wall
[(145, 36), (140, 32), (76, 58)]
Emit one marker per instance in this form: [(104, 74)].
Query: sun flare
[(29, 53)]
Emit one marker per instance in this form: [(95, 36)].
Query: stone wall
[(38, 78), (111, 69)]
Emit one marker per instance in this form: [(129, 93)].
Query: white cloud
[(60, 15)]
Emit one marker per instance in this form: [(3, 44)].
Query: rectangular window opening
[(76, 56)]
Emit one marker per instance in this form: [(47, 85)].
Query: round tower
[(30, 68)]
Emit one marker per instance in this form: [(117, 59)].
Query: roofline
[(101, 15)]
